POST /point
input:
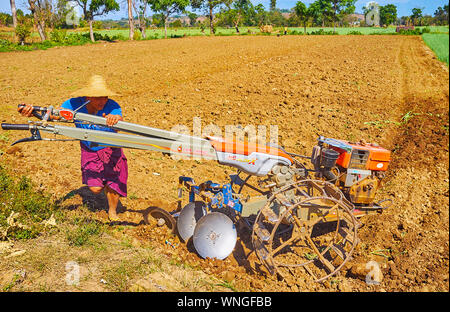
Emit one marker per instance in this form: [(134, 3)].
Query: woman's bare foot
[(113, 199), (112, 215)]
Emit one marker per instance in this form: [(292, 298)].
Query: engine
[(357, 168)]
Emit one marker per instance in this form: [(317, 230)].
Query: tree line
[(44, 14)]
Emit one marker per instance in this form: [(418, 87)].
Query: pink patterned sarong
[(107, 166)]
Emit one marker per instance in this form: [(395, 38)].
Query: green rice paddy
[(439, 44)]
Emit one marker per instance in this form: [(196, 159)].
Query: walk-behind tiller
[(298, 217)]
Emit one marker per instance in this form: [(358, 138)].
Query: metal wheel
[(307, 225), (161, 216)]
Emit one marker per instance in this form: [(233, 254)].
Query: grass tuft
[(84, 230), (31, 207)]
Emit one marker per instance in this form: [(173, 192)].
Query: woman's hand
[(111, 120), (26, 111)]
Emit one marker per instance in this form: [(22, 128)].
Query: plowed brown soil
[(349, 87)]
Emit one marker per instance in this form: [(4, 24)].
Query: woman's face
[(97, 103)]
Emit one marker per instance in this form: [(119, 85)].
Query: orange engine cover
[(362, 156)]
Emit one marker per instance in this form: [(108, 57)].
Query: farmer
[(102, 168)]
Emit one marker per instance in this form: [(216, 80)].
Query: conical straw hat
[(96, 88)]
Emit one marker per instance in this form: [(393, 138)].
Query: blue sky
[(404, 7)]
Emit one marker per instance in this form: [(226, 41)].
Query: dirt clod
[(13, 150)]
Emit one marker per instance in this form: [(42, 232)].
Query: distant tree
[(331, 10), (167, 8), (97, 25), (441, 15), (60, 13), (349, 20), (226, 15), (303, 13), (19, 14), (236, 11), (176, 24), (130, 19), (140, 8), (261, 15), (41, 11), (22, 32), (276, 18), (249, 15), (246, 10), (192, 18), (446, 12), (93, 8), (14, 12), (158, 20), (388, 14), (426, 20), (416, 15), (365, 10), (340, 8), (5, 19), (292, 20), (208, 6), (273, 5), (321, 11), (403, 20)]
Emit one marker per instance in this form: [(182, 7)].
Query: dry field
[(385, 89)]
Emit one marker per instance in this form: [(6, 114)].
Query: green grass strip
[(439, 44)]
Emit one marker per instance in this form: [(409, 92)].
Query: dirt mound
[(383, 89)]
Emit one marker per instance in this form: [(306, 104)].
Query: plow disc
[(215, 236), (188, 218), (307, 226)]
